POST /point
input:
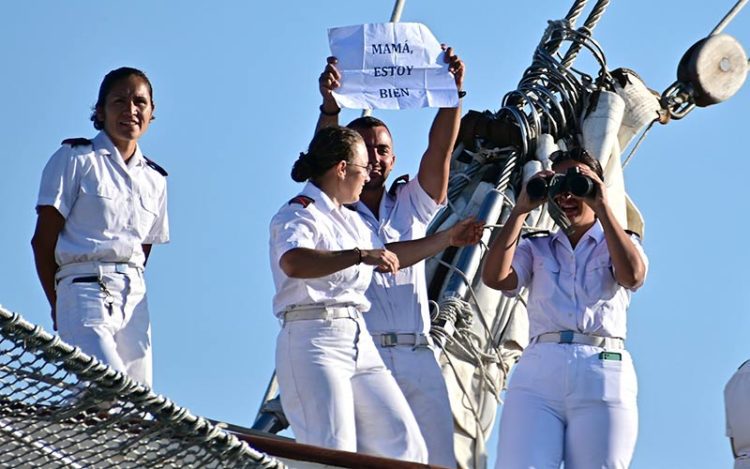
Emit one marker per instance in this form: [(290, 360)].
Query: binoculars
[(549, 186)]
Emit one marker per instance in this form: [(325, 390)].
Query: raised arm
[(49, 224), (435, 165), (328, 81), (463, 233), (498, 272), (315, 263), (629, 267)]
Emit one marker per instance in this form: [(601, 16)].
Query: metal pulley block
[(715, 68)]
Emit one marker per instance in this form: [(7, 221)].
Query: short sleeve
[(425, 208), (159, 233), (293, 228), (60, 182), (637, 242), (522, 265)]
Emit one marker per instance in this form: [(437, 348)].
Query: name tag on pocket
[(610, 356)]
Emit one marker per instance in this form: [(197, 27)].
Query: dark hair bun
[(329, 146), (302, 169)]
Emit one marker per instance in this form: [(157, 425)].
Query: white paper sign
[(391, 66)]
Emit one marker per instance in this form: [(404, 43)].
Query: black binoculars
[(572, 181)]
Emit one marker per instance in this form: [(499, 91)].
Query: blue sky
[(235, 86)]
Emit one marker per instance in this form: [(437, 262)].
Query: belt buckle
[(389, 340), (566, 337)]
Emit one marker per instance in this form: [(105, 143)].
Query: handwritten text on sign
[(391, 66)]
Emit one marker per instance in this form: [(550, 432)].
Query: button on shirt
[(737, 404), (399, 301), (110, 207), (572, 289), (320, 225)]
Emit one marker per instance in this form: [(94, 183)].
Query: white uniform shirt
[(570, 289), (737, 405), (320, 225), (110, 207), (399, 301)]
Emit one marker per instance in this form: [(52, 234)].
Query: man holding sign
[(391, 66), (399, 318)]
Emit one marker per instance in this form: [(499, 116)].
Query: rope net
[(62, 408)]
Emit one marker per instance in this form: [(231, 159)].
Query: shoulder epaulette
[(76, 142), (536, 234), (302, 200), (156, 167), (399, 180)]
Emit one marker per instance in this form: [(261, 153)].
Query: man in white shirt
[(399, 319)]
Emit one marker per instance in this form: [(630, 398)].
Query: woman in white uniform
[(102, 205), (335, 390), (572, 396)]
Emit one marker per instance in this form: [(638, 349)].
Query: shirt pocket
[(148, 211), (390, 234), (545, 277), (599, 281), (99, 206)]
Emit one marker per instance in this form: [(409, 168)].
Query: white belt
[(97, 268), (571, 337), (392, 339), (321, 312)]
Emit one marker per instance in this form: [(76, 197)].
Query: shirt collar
[(596, 233), (322, 201), (103, 146)]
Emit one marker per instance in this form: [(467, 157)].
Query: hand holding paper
[(329, 80), (390, 66), (455, 66)]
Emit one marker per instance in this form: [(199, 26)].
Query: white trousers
[(337, 393), (418, 374), (566, 404), (118, 335)]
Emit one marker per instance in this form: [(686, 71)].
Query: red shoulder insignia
[(399, 180), (302, 200), (156, 167), (76, 142)]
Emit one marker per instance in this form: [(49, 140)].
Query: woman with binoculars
[(572, 397)]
